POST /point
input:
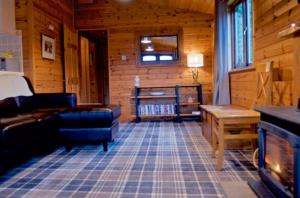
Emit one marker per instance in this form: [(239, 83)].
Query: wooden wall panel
[(122, 23), (267, 47), (48, 73), (24, 23), (243, 88), (33, 17), (296, 71)]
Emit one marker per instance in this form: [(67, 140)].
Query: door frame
[(87, 34)]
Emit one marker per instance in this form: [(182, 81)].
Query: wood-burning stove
[(279, 153)]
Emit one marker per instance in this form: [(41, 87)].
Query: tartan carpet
[(147, 159)]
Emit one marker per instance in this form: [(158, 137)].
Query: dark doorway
[(94, 74)]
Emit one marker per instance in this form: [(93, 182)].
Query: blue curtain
[(222, 54)]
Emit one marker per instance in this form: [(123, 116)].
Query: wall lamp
[(194, 62), (146, 40)]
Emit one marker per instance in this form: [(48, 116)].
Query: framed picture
[(48, 47)]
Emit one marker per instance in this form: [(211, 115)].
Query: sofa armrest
[(55, 100)]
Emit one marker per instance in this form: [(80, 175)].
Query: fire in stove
[(277, 168), (279, 153), (279, 159)]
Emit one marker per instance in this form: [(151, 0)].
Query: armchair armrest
[(55, 100)]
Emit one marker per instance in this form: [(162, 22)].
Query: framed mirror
[(159, 49)]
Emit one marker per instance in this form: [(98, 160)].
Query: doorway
[(94, 84)]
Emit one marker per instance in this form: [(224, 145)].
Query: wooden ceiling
[(205, 6)]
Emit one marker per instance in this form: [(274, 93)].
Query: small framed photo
[(48, 47)]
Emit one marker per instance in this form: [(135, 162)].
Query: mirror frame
[(156, 32)]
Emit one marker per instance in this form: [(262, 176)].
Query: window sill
[(241, 70)]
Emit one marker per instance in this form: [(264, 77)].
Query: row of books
[(156, 109)]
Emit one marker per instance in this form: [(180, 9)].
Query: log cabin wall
[(270, 17), (33, 17), (122, 23)]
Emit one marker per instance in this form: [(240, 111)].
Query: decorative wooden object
[(282, 86), (264, 84), (230, 123), (273, 85)]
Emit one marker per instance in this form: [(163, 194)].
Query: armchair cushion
[(14, 122), (54, 100), (25, 103), (90, 116), (8, 107)]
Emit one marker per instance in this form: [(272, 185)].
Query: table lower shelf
[(158, 116), (188, 115), (173, 116)]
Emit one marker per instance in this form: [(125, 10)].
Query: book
[(156, 109)]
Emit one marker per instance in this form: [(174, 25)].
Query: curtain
[(221, 54)]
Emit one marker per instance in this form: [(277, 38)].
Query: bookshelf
[(170, 104), (153, 97)]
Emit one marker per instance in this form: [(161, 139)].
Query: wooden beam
[(85, 2), (290, 4)]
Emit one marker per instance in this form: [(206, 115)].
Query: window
[(147, 58), (159, 49), (242, 33), (165, 57)]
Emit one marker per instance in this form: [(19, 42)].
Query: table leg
[(254, 141), (214, 138), (221, 146)]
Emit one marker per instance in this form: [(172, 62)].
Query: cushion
[(25, 103), (90, 116), (8, 107), (54, 100), (12, 85), (16, 121)]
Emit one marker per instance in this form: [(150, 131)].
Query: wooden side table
[(226, 119)]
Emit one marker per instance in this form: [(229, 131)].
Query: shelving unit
[(153, 97), (173, 94), (184, 104), (189, 104)]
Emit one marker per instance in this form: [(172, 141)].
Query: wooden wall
[(122, 23), (270, 17), (33, 17)]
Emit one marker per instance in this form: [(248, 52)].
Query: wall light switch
[(123, 58)]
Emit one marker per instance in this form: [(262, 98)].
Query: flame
[(277, 168)]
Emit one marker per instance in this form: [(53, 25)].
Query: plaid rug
[(148, 159)]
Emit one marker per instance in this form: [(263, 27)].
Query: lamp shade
[(195, 60), (146, 40), (149, 49)]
